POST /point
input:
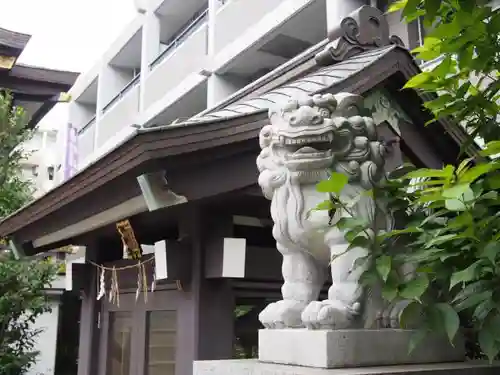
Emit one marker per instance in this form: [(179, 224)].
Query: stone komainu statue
[(305, 141)]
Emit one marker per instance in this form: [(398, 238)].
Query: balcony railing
[(87, 125), (123, 91), (198, 20)]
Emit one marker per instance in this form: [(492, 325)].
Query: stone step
[(354, 348), (254, 367)]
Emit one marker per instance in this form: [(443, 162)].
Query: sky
[(66, 34)]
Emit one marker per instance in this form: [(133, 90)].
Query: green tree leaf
[(416, 339), (493, 181), (440, 240), (397, 5), (473, 300), (483, 310), (389, 292), (472, 289), (384, 266), (488, 343), (369, 278), (465, 275), (334, 184), (439, 102), (457, 191), (455, 205), (451, 320), (491, 252), (476, 172), (418, 80), (411, 315), (350, 223), (325, 205), (431, 11), (415, 288), (492, 148), (430, 173)]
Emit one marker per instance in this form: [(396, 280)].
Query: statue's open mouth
[(308, 146)]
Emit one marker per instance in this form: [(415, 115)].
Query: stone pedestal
[(352, 348), (254, 367)]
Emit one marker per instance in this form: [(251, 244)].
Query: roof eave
[(14, 40)]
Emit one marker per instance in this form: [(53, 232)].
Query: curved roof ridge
[(13, 39)]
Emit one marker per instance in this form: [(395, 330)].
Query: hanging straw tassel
[(114, 290), (102, 284), (153, 279), (144, 282), (116, 287), (125, 250), (139, 282)]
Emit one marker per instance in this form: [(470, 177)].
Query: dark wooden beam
[(208, 308), (263, 263), (32, 87), (47, 105), (253, 191), (88, 348)]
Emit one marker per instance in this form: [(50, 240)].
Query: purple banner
[(71, 152)]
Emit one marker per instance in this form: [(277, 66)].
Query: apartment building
[(42, 161), (178, 58)]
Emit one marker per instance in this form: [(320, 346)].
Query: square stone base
[(353, 348), (253, 367)]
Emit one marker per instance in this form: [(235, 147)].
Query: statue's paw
[(329, 314), (390, 316), (282, 314)]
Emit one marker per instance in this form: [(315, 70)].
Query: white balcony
[(186, 54), (121, 112), (85, 140), (237, 16), (289, 28), (270, 33)]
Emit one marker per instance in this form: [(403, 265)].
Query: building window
[(161, 342), (50, 172), (119, 344)]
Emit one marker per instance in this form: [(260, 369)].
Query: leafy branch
[(22, 282)]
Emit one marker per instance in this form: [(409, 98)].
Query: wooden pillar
[(207, 312), (88, 349)]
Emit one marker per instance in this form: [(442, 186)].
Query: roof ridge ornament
[(364, 29)]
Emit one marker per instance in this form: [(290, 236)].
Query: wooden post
[(88, 349), (207, 311)]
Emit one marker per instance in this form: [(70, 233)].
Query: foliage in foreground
[(22, 300), (14, 191), (448, 219), (22, 283)]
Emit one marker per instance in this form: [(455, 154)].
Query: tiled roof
[(13, 39)]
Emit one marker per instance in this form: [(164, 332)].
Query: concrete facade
[(178, 58), (44, 159)]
